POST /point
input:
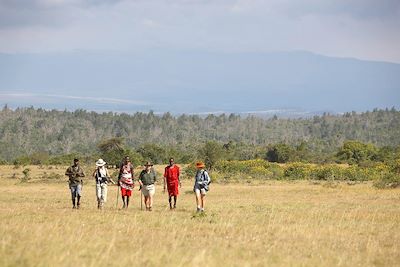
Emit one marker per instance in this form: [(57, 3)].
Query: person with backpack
[(75, 174), (125, 181), (201, 185), (171, 181), (147, 179), (102, 177)]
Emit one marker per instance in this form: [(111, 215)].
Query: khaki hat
[(148, 164), (100, 163)]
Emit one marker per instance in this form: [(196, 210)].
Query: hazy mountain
[(193, 81)]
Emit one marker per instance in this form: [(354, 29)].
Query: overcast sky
[(364, 29)]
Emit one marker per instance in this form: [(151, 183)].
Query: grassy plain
[(266, 223)]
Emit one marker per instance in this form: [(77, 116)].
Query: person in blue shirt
[(201, 185)]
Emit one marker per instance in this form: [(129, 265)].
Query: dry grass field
[(253, 224)]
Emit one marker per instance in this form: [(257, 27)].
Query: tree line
[(54, 136)]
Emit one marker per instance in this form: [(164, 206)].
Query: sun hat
[(100, 163), (148, 164), (200, 165)]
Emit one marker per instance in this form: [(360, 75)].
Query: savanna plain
[(254, 223)]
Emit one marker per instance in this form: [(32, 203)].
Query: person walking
[(201, 185), (75, 174), (147, 178), (102, 177), (171, 181), (125, 181)]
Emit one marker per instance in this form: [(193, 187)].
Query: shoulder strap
[(204, 175)]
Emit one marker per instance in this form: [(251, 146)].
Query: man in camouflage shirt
[(75, 173)]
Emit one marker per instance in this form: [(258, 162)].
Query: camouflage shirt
[(75, 173)]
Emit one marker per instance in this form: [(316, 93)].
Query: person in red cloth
[(125, 180), (171, 180)]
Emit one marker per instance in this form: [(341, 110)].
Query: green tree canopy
[(356, 152)]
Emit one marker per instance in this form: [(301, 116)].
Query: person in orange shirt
[(171, 181)]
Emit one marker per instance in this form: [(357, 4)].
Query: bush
[(261, 172), (152, 152), (190, 171), (39, 158), (250, 168), (356, 152), (279, 153), (216, 177), (354, 173), (297, 171), (300, 171), (23, 160), (26, 176), (212, 152), (328, 172), (388, 180)]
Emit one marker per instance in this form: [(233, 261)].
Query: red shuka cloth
[(172, 176)]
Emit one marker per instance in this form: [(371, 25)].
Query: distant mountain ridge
[(197, 82)]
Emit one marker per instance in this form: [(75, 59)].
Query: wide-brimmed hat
[(200, 165), (148, 163), (100, 163)]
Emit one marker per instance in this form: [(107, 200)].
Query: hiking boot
[(73, 207), (78, 206), (198, 210), (150, 209)]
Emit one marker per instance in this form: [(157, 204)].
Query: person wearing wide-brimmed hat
[(201, 185), (125, 181), (147, 178), (75, 174), (102, 177)]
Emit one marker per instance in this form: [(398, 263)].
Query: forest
[(39, 136)]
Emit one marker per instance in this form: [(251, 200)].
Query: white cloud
[(366, 29)]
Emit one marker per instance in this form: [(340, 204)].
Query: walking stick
[(141, 198), (116, 205)]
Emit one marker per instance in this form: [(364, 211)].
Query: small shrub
[(26, 176), (261, 172), (297, 171), (23, 160), (354, 173), (388, 180), (257, 168), (216, 177), (190, 171), (327, 172)]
